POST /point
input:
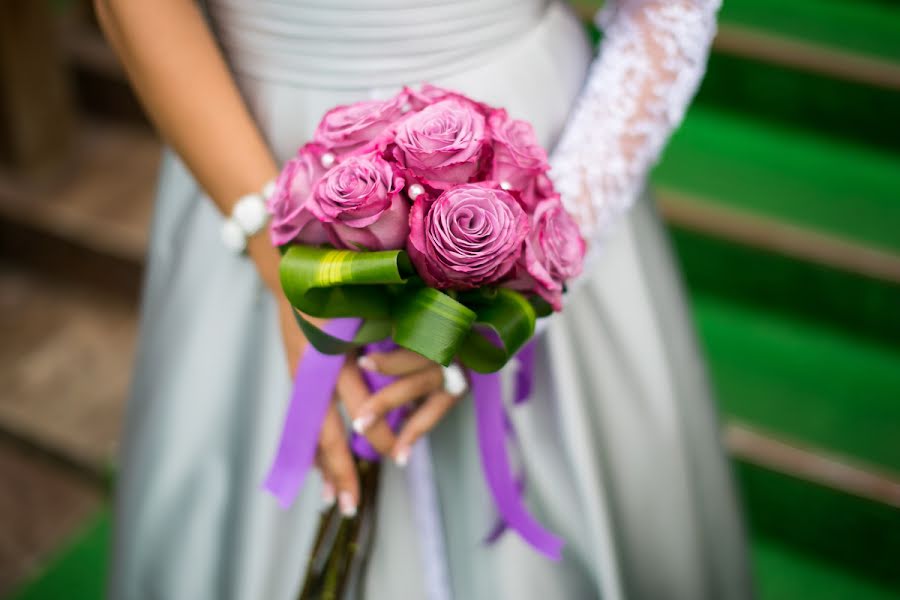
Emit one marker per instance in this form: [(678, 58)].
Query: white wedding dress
[(620, 443)]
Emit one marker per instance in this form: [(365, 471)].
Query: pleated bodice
[(352, 44)]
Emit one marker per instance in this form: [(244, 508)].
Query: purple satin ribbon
[(491, 423), (314, 386), (525, 373)]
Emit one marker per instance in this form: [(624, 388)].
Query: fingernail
[(327, 496), (366, 363), (348, 505), (362, 422), (401, 457)]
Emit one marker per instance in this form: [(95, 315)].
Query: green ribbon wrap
[(482, 328)]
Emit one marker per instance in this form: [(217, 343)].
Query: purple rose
[(444, 143), (359, 200), (291, 220), (470, 236), (347, 128), (554, 253), (518, 157)]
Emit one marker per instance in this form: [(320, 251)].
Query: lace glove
[(650, 63)]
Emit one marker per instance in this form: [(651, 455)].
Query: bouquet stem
[(341, 545)]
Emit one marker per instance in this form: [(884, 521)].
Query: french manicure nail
[(362, 422), (401, 457), (327, 496), (348, 505), (366, 363)]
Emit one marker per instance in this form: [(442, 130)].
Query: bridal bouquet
[(427, 221)]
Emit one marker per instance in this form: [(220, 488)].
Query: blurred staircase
[(782, 190)]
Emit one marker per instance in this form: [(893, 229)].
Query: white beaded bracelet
[(248, 217)]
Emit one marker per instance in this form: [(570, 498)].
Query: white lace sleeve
[(651, 59)]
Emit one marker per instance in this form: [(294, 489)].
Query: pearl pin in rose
[(414, 191)]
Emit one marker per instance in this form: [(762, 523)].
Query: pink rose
[(554, 253), (347, 128), (537, 190), (470, 236), (291, 220), (427, 94), (359, 200), (518, 156), (444, 143)]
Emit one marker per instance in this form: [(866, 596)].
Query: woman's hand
[(416, 378)]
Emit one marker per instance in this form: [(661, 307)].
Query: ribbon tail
[(500, 525), (314, 385), (489, 412), (525, 372)]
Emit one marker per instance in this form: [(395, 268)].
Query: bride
[(619, 441)]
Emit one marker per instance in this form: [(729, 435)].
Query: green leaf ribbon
[(483, 328)]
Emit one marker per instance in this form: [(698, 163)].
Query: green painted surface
[(870, 27), (846, 301), (823, 524), (803, 380), (861, 26), (804, 100), (782, 573), (78, 572), (800, 177)]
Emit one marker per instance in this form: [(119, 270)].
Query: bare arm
[(181, 78), (185, 86)]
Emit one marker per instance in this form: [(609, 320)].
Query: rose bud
[(470, 236), (554, 253), (291, 219), (347, 128), (518, 156), (444, 143), (360, 202), (518, 160)]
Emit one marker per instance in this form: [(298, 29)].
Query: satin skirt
[(620, 441)]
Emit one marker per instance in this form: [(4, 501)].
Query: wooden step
[(102, 200), (42, 505), (78, 569), (65, 366)]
